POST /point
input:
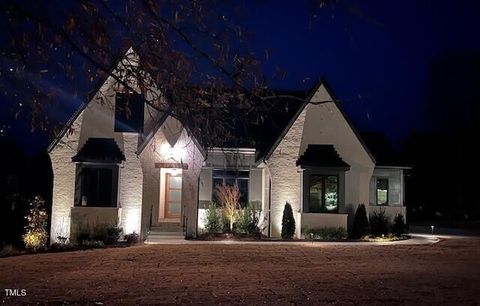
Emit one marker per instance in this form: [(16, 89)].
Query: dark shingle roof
[(383, 150), (103, 150), (322, 156)]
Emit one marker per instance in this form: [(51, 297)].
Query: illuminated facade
[(149, 173)]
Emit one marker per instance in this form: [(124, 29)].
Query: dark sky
[(375, 55)]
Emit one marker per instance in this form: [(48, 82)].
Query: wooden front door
[(173, 195)]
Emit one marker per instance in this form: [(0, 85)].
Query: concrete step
[(165, 234), (164, 237), (167, 227)]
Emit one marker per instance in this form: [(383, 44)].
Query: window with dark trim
[(230, 178), (129, 112), (382, 191), (323, 193), (96, 185)]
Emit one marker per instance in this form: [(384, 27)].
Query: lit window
[(323, 193), (382, 191)]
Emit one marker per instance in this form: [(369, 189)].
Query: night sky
[(375, 55)]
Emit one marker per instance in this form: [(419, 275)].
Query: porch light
[(176, 153)]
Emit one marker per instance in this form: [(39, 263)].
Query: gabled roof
[(300, 106), (322, 156), (264, 136), (99, 150), (90, 95)]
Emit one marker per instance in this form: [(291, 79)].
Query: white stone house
[(154, 173)]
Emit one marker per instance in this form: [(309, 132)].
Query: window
[(323, 193), (96, 186), (129, 108), (230, 178), (382, 191)]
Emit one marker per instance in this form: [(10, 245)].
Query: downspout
[(269, 199), (269, 205), (198, 205)]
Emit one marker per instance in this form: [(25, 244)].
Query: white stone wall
[(317, 124), (64, 181), (130, 186), (286, 179), (96, 120)]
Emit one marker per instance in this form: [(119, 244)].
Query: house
[(147, 171)]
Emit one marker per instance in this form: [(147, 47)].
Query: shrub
[(229, 197), (360, 223), (288, 222), (326, 233), (132, 238), (81, 235), (213, 219), (399, 227), (379, 223), (92, 244), (248, 218), (36, 234), (107, 233)]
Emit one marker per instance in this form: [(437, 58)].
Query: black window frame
[(81, 171), (323, 180), (377, 189), (235, 175)]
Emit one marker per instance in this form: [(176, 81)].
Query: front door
[(173, 195)]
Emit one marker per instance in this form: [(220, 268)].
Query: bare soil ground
[(444, 273)]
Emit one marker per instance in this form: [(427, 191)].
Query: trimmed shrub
[(360, 223), (288, 222), (248, 218), (106, 233), (91, 244), (132, 238), (399, 227), (213, 219), (379, 223), (326, 233)]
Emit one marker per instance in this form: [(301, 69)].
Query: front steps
[(165, 232)]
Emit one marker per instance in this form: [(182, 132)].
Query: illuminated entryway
[(170, 206)]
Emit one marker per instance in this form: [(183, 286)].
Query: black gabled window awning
[(322, 156), (99, 150)]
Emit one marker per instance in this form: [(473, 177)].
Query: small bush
[(92, 244), (81, 235), (326, 233), (360, 223), (213, 219), (132, 238), (62, 240), (399, 227), (36, 234), (62, 247), (379, 223), (288, 222), (107, 233), (247, 222)]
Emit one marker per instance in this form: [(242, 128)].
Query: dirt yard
[(445, 273)]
